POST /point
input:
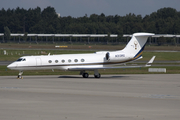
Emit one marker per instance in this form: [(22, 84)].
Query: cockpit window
[(20, 59)]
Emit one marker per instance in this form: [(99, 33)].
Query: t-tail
[(136, 45)]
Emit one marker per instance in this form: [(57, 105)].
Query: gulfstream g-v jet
[(87, 62)]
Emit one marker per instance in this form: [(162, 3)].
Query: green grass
[(162, 56), (15, 54)]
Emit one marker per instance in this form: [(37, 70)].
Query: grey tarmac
[(71, 97)]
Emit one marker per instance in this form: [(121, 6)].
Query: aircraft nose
[(11, 66)]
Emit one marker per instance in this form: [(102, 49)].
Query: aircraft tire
[(19, 77), (97, 76), (85, 75)]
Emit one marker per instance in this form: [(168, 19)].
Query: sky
[(79, 8)]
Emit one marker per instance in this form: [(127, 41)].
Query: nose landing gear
[(20, 75)]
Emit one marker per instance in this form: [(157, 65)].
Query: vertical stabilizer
[(137, 43)]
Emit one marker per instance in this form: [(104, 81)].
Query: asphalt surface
[(5, 62), (112, 97)]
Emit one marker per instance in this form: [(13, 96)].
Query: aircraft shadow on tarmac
[(68, 76), (104, 77)]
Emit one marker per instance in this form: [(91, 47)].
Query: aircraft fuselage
[(66, 61)]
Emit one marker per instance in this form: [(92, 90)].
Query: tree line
[(46, 21)]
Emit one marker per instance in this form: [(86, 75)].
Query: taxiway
[(112, 97)]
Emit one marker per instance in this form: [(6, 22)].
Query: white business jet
[(87, 62)]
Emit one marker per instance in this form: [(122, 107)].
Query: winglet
[(150, 61)]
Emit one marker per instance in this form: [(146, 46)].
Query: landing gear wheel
[(97, 76), (19, 77), (85, 75)]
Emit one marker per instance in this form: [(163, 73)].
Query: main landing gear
[(86, 75), (97, 76), (20, 75)]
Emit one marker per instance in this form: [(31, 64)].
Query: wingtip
[(150, 61)]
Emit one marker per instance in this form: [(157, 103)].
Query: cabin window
[(56, 61), (69, 60), (82, 60), (24, 60), (50, 61), (62, 61), (76, 60)]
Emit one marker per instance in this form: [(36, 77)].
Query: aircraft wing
[(148, 64)]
